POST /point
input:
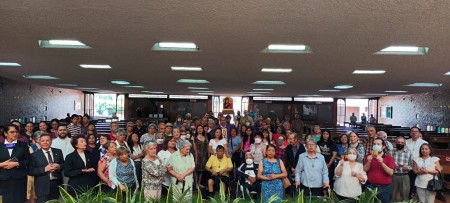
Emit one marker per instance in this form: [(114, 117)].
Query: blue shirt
[(311, 172), (234, 143)]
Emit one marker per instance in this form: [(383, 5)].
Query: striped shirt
[(73, 129), (401, 158)]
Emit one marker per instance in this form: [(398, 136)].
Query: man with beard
[(62, 142)]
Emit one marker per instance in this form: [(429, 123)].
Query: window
[(104, 105), (216, 106), (121, 106), (340, 112), (244, 104)]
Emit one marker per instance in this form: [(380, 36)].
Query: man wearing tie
[(46, 166), (14, 157)]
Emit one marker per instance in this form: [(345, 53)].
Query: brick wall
[(19, 100), (424, 109)]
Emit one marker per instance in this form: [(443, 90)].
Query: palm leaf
[(66, 197)]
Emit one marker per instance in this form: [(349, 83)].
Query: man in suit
[(14, 156), (46, 165), (293, 151), (225, 127)]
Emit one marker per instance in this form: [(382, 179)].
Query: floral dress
[(202, 153), (272, 187), (152, 175)]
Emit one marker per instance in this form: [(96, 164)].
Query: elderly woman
[(122, 171), (105, 160), (271, 171), (181, 166), (425, 166), (79, 166), (153, 171), (349, 174), (121, 139), (353, 139), (247, 176)]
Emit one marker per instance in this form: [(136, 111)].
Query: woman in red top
[(379, 167)]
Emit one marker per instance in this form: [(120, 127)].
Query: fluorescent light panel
[(272, 98), (133, 86), (43, 77), (375, 94), (175, 46), (395, 91), (151, 96), (287, 48), (87, 88), (268, 82), (343, 87), (369, 72), (276, 70), (12, 64), (198, 81), (419, 84), (67, 85), (95, 66), (309, 95), (187, 97), (204, 91), (120, 82), (404, 50), (198, 88), (62, 43), (263, 89), (258, 92), (314, 99), (180, 68), (447, 73), (153, 92)]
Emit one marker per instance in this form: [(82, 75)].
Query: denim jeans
[(384, 192)]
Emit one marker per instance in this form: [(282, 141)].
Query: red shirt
[(112, 137), (376, 174)]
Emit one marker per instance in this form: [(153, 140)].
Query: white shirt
[(46, 156), (414, 146), (164, 155), (429, 164), (10, 150), (347, 185), (64, 145), (214, 144), (83, 157)]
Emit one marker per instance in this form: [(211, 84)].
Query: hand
[(49, 168), (397, 166), (424, 170), (326, 185), (110, 183), (169, 168), (293, 170), (341, 162), (122, 187), (273, 176), (405, 168), (10, 165), (369, 158), (297, 184), (380, 159), (180, 178), (251, 179), (355, 174), (214, 173), (328, 165)]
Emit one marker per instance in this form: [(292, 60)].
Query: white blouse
[(429, 164), (347, 185), (214, 144)]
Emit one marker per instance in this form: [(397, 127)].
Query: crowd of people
[(269, 158)]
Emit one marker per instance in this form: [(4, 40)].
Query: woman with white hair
[(181, 166), (349, 174), (153, 171)]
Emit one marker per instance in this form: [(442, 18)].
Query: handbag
[(437, 184), (285, 180)]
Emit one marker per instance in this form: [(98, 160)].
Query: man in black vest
[(293, 150), (14, 156), (46, 166)]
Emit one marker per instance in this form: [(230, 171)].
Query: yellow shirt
[(217, 165)]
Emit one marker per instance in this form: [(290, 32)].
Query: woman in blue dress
[(271, 172)]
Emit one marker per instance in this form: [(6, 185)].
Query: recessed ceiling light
[(395, 91), (343, 86), (59, 43), (314, 99), (67, 85), (287, 48), (329, 90), (254, 95), (404, 50), (179, 68), (95, 66), (43, 77), (120, 82), (447, 73), (187, 97), (263, 89), (419, 84), (175, 46), (9, 64), (276, 70), (153, 92), (192, 81), (133, 86), (153, 96), (198, 88), (272, 98), (258, 92), (369, 71), (205, 91), (268, 82)]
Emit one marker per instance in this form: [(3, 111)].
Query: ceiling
[(343, 35)]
